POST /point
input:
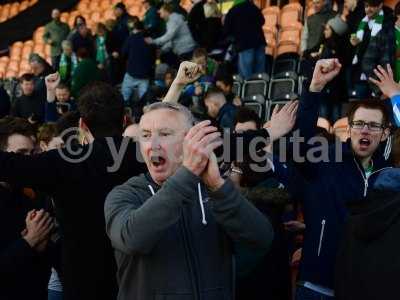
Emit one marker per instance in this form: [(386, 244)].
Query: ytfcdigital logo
[(72, 152), (235, 149)]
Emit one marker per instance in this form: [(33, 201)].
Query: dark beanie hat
[(120, 5)]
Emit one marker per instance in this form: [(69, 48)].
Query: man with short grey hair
[(174, 228)]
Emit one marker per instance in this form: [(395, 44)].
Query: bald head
[(55, 14), (214, 100)]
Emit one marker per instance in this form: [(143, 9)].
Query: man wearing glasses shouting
[(326, 186)]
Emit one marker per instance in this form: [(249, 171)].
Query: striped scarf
[(374, 24), (63, 67)]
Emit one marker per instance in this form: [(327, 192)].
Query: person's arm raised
[(52, 81), (188, 72), (389, 87)]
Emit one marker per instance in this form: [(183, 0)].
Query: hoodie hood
[(154, 187), (388, 180)]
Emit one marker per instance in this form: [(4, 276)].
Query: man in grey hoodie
[(175, 228), (177, 37)]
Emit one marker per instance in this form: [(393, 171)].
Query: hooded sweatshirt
[(178, 35), (176, 241), (367, 266)]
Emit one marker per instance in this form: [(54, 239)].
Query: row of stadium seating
[(282, 29), (10, 10)]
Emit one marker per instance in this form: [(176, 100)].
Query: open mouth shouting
[(364, 143), (157, 162)]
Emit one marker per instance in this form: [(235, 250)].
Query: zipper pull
[(321, 236), (365, 187)]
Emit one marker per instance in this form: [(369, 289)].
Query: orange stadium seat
[(47, 50), (108, 14), (64, 17), (288, 17), (4, 59), (83, 7), (11, 74), (134, 11), (38, 48), (13, 65), (289, 37), (391, 3), (95, 17), (296, 25), (271, 43), (271, 19), (27, 49), (130, 2), (94, 6), (14, 9), (28, 43), (105, 4), (24, 5), (293, 7), (272, 30), (6, 9)]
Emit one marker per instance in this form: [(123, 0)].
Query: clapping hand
[(385, 82)]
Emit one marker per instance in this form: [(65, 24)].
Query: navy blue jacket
[(140, 56), (226, 116), (244, 23), (51, 112), (325, 188)]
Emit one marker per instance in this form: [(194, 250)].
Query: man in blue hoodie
[(344, 172), (140, 65)]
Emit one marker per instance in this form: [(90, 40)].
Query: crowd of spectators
[(130, 169)]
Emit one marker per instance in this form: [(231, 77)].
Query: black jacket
[(141, 56), (5, 104), (244, 23), (29, 106), (121, 30), (79, 190), (267, 275), (87, 42), (367, 263), (196, 22), (24, 273)]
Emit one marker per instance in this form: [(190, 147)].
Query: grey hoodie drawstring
[(388, 147), (203, 215), (151, 190)]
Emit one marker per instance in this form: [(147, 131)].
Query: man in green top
[(55, 32)]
